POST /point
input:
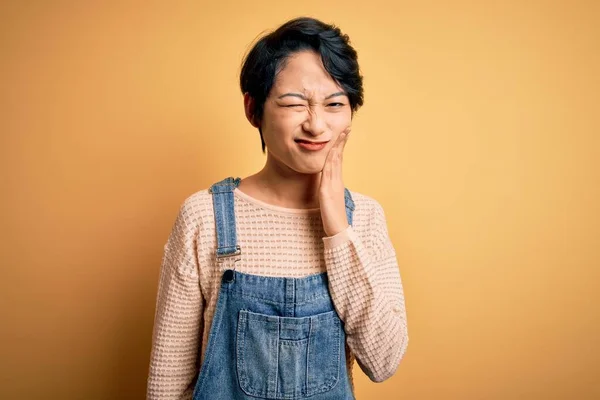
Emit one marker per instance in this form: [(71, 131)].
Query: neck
[(286, 187)]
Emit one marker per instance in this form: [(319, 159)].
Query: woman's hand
[(331, 189)]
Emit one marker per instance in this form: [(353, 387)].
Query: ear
[(249, 105)]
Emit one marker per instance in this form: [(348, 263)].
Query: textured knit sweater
[(360, 261)]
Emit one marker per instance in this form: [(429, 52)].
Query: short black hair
[(269, 55)]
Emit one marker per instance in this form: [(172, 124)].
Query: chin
[(301, 165), (308, 169)]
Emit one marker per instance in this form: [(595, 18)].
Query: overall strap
[(223, 204), (349, 205)]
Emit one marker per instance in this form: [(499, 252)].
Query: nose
[(314, 123)]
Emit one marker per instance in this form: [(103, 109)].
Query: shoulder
[(365, 206), (195, 209), (371, 225), (369, 218)]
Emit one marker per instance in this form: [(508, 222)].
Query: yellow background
[(479, 136)]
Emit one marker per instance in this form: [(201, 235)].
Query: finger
[(339, 143), (342, 143), (346, 138), (337, 153), (336, 150)]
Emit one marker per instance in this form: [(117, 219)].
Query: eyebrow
[(301, 96)]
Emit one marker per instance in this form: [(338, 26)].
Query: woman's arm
[(367, 292), (178, 319)]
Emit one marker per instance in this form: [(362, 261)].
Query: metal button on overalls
[(228, 276)]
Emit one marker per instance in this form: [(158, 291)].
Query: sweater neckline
[(272, 207)]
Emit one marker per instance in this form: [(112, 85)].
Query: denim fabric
[(271, 337)]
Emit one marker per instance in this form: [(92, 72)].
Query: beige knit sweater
[(363, 274)]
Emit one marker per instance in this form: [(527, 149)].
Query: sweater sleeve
[(178, 321), (367, 292)]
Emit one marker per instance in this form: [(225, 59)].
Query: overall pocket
[(288, 357)]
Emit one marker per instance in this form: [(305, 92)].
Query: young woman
[(272, 285)]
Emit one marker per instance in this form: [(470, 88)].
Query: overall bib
[(271, 337)]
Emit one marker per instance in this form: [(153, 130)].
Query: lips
[(308, 141), (311, 146)]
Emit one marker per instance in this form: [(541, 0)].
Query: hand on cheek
[(331, 189)]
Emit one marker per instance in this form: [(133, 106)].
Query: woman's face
[(304, 103)]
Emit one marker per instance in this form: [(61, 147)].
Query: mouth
[(308, 141), (312, 146)]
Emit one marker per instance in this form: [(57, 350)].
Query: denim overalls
[(271, 337)]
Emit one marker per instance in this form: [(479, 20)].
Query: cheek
[(279, 127), (340, 121), (285, 122)]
